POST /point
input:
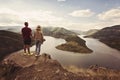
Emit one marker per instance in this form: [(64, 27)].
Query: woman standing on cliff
[(38, 36)]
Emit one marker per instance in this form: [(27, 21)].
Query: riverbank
[(109, 35)]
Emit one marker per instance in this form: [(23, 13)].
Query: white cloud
[(49, 18), (11, 17), (113, 14), (61, 0), (82, 13)]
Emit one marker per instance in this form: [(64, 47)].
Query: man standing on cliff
[(27, 34)]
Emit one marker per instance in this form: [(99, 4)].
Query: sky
[(70, 14)]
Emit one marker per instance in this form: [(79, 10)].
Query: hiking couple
[(27, 39)]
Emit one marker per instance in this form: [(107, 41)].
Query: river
[(102, 55)]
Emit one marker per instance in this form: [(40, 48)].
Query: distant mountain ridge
[(16, 29), (90, 32), (57, 32), (109, 36), (62, 33)]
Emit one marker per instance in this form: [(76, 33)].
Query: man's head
[(26, 24)]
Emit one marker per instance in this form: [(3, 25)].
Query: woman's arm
[(42, 37)]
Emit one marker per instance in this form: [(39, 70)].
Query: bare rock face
[(44, 68), (28, 67), (8, 69)]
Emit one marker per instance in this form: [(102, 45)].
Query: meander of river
[(102, 55)]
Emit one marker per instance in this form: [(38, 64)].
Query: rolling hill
[(109, 36), (9, 42)]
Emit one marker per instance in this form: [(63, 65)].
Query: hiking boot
[(24, 53), (36, 55), (30, 53)]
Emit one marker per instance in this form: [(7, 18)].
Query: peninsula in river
[(73, 42)]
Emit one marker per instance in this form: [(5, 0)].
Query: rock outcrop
[(37, 68), (25, 67)]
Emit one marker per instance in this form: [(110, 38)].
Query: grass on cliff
[(97, 73)]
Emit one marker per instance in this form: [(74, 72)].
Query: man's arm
[(31, 36)]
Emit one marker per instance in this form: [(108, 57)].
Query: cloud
[(82, 13), (113, 14), (61, 0), (11, 17)]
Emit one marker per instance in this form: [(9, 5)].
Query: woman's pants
[(38, 47)]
